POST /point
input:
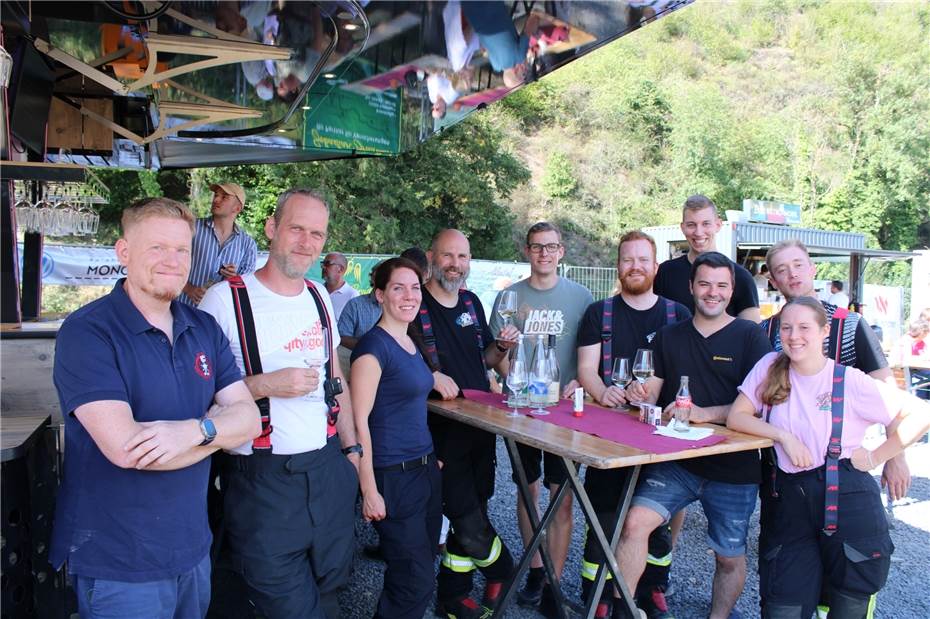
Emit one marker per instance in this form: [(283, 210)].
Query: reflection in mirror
[(183, 84)]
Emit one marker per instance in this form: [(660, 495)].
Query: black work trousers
[(290, 529), (469, 458), (796, 557), (409, 539), (605, 489)]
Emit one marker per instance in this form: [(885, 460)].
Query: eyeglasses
[(328, 263), (550, 248)]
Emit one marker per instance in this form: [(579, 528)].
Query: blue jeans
[(184, 597), (667, 487)]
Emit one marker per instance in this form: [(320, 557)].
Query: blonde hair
[(776, 387), (782, 245), (155, 207)]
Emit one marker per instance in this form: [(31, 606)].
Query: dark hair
[(418, 257), (636, 235), (382, 277), (542, 226), (715, 260), (385, 269), (775, 387), (837, 284)]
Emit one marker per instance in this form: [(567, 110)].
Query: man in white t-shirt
[(290, 495), (837, 296), (340, 292)]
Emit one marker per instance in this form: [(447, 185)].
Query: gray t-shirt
[(557, 311)]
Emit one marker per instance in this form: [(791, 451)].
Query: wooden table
[(576, 448)]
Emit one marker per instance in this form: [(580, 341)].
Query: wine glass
[(507, 306), (516, 382), (643, 368), (620, 375), (316, 360)]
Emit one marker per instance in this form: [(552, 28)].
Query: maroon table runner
[(605, 423)]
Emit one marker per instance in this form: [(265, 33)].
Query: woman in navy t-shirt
[(398, 473)]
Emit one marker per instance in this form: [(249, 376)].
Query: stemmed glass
[(316, 361), (516, 382), (620, 376), (507, 306), (643, 368)]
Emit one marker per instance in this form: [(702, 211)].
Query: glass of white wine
[(643, 368), (317, 359), (620, 376), (516, 381), (507, 306)]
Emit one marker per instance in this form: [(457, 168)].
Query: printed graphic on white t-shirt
[(290, 334)]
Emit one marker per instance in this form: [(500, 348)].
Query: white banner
[(85, 265)]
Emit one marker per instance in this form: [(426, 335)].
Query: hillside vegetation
[(823, 104)]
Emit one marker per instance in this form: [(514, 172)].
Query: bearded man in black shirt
[(716, 351)]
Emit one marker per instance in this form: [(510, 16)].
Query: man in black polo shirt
[(716, 351), (458, 339), (700, 224)]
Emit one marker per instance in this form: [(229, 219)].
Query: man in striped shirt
[(221, 248)]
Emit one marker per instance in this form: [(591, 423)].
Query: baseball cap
[(232, 189)]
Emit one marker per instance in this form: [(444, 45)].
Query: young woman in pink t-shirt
[(814, 532)]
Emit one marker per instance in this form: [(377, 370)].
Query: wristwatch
[(353, 449), (209, 431)]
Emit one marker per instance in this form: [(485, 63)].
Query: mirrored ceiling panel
[(184, 84)]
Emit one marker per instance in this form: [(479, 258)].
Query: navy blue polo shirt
[(123, 524)]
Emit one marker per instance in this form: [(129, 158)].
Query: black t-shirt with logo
[(674, 278), (716, 366), (632, 328)]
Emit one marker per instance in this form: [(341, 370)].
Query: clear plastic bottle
[(555, 387), (683, 406)]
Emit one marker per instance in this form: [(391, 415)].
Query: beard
[(448, 282), (287, 266), (633, 287)]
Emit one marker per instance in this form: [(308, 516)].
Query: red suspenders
[(429, 335), (607, 325), (251, 359)]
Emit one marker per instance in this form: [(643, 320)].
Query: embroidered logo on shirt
[(720, 358), (824, 402), (202, 365), (464, 320)]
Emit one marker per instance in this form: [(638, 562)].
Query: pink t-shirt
[(806, 412)]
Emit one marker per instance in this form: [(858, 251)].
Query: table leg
[(539, 534), (607, 548)]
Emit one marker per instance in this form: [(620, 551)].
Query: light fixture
[(351, 27), (282, 130), (305, 107)]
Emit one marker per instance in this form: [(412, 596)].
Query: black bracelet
[(500, 348), (353, 449)]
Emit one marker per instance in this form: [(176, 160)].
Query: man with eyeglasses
[(340, 292), (546, 305)]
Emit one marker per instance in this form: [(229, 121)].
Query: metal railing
[(601, 281)]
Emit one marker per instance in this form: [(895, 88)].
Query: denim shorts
[(667, 487)]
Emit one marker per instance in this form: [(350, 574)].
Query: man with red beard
[(637, 315), (716, 351)]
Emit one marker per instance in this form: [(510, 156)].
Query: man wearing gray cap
[(221, 248)]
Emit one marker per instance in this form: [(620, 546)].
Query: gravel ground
[(905, 596)]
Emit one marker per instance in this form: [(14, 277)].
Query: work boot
[(461, 608), (492, 597), (548, 607), (531, 592), (620, 611), (654, 604)]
